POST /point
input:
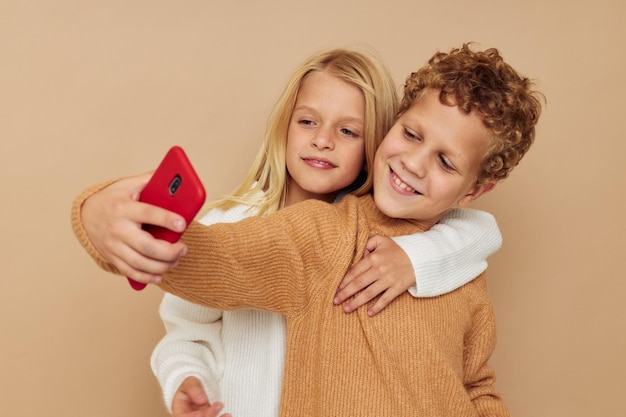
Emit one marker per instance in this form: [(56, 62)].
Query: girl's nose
[(323, 139)]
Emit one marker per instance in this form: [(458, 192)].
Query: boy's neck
[(422, 224), (426, 224)]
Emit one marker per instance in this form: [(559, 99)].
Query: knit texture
[(453, 252), (79, 230), (417, 357), (237, 355)]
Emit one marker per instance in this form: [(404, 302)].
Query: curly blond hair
[(481, 81)]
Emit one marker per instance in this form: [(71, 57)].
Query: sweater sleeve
[(79, 230), (451, 253), (192, 345), (271, 263)]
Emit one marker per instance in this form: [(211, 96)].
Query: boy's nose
[(416, 162)]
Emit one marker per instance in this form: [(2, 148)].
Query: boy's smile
[(430, 160)]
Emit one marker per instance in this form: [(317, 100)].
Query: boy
[(466, 119)]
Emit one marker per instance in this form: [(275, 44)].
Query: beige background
[(95, 89)]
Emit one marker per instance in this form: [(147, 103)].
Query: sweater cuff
[(176, 379), (79, 229)]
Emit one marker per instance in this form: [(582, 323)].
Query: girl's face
[(325, 146), (430, 161)]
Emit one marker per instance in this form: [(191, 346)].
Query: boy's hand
[(112, 218), (385, 270), (191, 401)]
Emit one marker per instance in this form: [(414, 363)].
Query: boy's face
[(430, 160)]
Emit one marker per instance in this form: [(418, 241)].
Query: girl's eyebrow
[(353, 119), (303, 107)]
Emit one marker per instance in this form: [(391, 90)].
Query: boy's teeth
[(401, 184)]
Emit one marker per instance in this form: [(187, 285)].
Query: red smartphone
[(176, 187)]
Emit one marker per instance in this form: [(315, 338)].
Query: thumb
[(195, 391)]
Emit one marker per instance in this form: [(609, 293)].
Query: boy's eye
[(445, 163), (410, 135)]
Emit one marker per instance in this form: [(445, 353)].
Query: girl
[(330, 119)]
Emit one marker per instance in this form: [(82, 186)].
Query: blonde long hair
[(264, 188)]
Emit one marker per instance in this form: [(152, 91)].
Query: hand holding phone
[(176, 187)]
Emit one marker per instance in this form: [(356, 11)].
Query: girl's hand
[(112, 218), (385, 270), (191, 401)]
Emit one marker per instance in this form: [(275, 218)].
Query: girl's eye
[(349, 133), (306, 122)]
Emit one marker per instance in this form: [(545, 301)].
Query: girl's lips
[(319, 163), (402, 186)]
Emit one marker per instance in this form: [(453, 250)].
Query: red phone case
[(175, 186)]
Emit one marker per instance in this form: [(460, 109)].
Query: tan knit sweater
[(418, 357)]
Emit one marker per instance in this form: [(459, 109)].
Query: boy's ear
[(477, 191)]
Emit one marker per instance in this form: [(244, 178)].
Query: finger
[(190, 399), (193, 389), (211, 411), (357, 270), (138, 183), (363, 265), (156, 258), (144, 213), (183, 407), (150, 250), (355, 286), (214, 410), (121, 202), (127, 239), (364, 297), (372, 244), (136, 275), (385, 299)]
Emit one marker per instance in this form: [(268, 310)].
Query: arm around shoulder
[(453, 252)]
